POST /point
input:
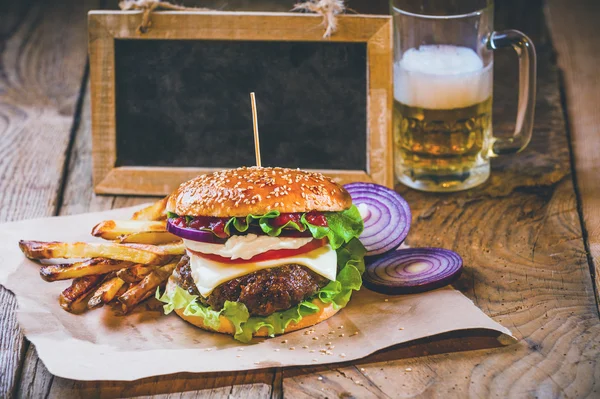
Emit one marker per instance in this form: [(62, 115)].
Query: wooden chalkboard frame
[(106, 26)]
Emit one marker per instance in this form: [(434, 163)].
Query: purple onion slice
[(193, 234), (412, 270), (386, 216)]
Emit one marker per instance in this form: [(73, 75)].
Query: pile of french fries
[(138, 257)]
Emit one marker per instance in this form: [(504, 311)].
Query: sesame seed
[(354, 333), (328, 343), (340, 327), (315, 338), (408, 369), (305, 347), (315, 360), (385, 300), (312, 351), (341, 335), (320, 378), (342, 355), (292, 348), (401, 328), (362, 369), (284, 341)]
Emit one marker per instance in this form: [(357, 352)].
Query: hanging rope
[(329, 9), (147, 6)]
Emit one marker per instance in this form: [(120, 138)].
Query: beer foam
[(441, 77)]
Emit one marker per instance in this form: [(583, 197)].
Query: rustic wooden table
[(530, 237)]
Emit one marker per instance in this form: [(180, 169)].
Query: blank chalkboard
[(186, 103), (172, 101)]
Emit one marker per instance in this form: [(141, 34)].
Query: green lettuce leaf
[(350, 265), (341, 227), (242, 224)]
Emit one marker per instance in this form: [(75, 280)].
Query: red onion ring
[(413, 270), (193, 234), (388, 219), (206, 236)]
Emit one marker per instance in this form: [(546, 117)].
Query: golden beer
[(441, 144), (442, 118)]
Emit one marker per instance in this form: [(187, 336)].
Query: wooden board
[(43, 56), (526, 267), (156, 115), (575, 35)]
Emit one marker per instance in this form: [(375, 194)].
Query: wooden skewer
[(255, 125)]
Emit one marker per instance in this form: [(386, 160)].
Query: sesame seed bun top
[(256, 190)]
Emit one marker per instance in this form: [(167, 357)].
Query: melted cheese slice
[(208, 274)]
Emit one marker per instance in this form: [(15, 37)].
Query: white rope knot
[(147, 6), (329, 9)]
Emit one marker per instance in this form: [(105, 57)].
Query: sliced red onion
[(386, 216), (193, 234), (412, 270)]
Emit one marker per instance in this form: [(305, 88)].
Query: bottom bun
[(325, 311)]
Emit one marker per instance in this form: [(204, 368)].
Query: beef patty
[(264, 292)]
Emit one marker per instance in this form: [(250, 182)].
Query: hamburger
[(269, 251)]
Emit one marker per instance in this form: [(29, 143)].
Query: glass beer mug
[(443, 71)]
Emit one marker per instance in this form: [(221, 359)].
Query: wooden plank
[(235, 25), (526, 267), (575, 36), (43, 51)]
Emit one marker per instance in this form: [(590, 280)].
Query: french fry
[(117, 229), (145, 288), (80, 269), (135, 253), (155, 211), (150, 237), (135, 273), (106, 292), (174, 248), (72, 299), (121, 291)]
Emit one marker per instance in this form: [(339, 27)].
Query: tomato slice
[(269, 255)]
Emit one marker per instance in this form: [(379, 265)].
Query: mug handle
[(527, 71)]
